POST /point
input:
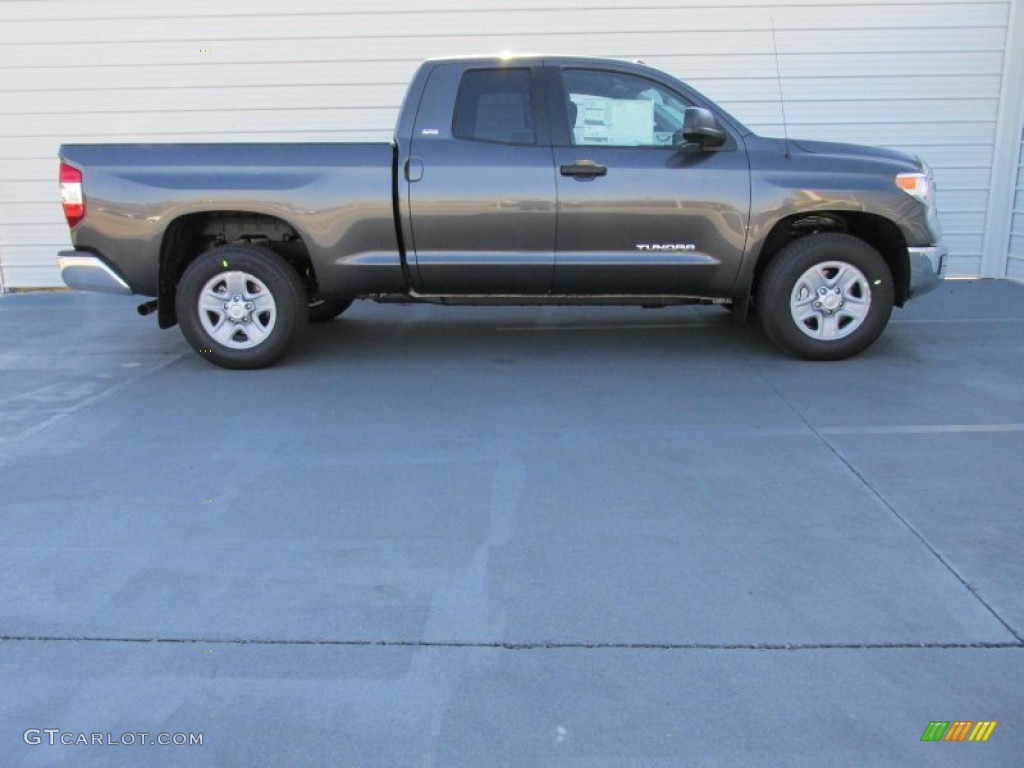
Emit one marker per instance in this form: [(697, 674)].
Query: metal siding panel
[(205, 98), (112, 9), (111, 125), (37, 233), (964, 266), (822, 21), (1015, 269), (21, 168), (16, 214), (236, 58), (31, 266), (921, 77), (1015, 255)]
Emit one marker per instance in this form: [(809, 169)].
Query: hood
[(830, 149)]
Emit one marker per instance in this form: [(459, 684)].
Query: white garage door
[(924, 77)]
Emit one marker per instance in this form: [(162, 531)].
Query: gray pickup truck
[(528, 180)]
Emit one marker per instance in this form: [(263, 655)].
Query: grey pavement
[(513, 536)]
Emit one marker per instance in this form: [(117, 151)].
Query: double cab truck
[(510, 180)]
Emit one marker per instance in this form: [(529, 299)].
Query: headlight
[(918, 185)]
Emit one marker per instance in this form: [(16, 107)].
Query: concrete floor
[(522, 536)]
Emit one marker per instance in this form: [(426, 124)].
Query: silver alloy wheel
[(237, 309), (830, 300)]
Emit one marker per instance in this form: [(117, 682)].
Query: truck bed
[(339, 198)]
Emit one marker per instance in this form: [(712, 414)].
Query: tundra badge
[(666, 247)]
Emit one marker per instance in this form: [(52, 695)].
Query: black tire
[(264, 292), (325, 310), (842, 322)]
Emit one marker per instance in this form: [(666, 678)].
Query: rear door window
[(495, 105)]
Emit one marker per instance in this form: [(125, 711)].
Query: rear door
[(481, 183), (639, 211)]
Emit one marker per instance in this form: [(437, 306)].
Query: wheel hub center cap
[(236, 312), (832, 301)]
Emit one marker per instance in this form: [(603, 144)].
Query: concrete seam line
[(922, 429), (35, 429), (892, 510), (516, 646)]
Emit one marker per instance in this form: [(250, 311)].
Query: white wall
[(926, 77), (1015, 267)]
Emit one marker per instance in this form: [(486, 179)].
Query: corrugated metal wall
[(925, 77)]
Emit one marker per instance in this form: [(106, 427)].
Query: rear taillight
[(71, 194)]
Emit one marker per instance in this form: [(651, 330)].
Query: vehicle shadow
[(539, 335)]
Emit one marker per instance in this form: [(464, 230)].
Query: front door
[(640, 211)]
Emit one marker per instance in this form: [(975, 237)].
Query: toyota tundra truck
[(510, 180)]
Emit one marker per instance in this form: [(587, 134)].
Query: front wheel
[(241, 306), (825, 296)]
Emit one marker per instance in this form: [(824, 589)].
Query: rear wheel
[(241, 306), (825, 296)]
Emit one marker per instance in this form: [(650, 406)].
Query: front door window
[(608, 109)]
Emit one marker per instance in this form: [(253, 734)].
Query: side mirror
[(700, 127)]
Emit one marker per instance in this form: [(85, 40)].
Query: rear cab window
[(496, 105)]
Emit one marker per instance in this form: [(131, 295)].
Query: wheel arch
[(877, 231), (192, 234)]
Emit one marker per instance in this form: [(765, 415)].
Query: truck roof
[(506, 57)]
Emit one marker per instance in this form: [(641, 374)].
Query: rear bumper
[(927, 269), (85, 272)]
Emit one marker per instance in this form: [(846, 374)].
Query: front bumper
[(927, 269), (85, 272)]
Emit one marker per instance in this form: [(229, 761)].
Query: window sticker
[(613, 122)]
